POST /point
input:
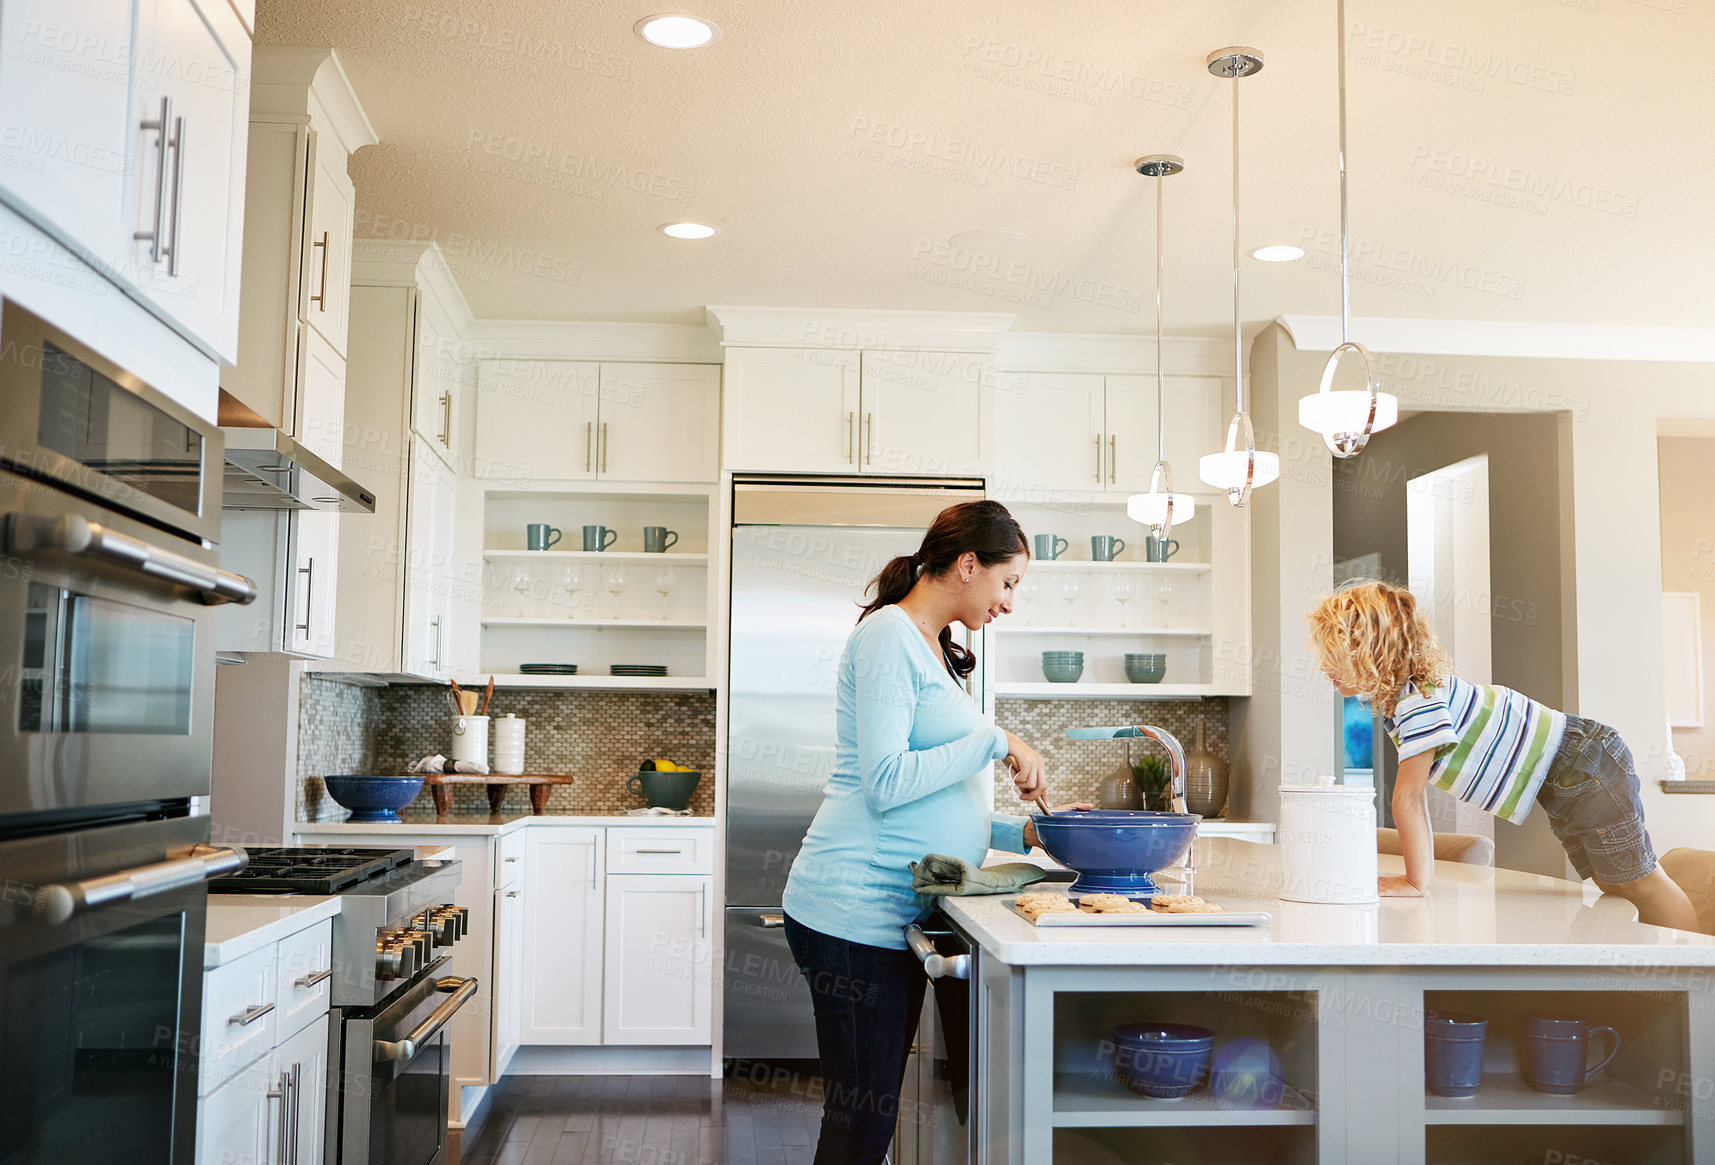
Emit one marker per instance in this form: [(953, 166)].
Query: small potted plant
[(1153, 782)]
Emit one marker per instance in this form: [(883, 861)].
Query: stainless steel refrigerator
[(803, 550)]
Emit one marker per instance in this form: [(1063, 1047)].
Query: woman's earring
[(967, 580)]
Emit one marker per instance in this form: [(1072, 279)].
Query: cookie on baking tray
[(1184, 904), (1033, 906), (1105, 903)]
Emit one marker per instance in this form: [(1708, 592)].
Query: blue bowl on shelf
[(1114, 851), (374, 799), (1162, 1060)]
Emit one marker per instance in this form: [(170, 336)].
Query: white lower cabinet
[(301, 1079), (658, 988), (237, 1123), (561, 982), (509, 923)]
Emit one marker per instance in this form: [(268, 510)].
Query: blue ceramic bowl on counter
[(1115, 850), (1162, 1060), (374, 799)]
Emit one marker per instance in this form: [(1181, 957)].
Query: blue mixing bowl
[(374, 798), (1115, 850), (1165, 1061)]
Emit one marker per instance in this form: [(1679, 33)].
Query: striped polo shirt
[(1493, 747)]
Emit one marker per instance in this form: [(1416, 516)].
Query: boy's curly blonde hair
[(1370, 636)]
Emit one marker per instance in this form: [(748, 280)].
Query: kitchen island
[(1335, 996)]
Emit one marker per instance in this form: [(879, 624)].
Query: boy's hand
[(1397, 886)]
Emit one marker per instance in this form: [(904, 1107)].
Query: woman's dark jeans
[(867, 1001)]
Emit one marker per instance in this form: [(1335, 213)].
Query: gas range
[(396, 917)]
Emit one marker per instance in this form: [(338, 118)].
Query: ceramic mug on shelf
[(540, 536), (1557, 1052), (1453, 1052), (1160, 549), (1105, 547), (1050, 546), (599, 537), (659, 539)]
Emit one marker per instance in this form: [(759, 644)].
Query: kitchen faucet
[(1175, 752)]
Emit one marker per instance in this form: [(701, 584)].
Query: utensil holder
[(470, 739)]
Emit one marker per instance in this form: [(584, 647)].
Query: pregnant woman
[(911, 776)]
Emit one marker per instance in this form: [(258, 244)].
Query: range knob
[(446, 925), (390, 958)]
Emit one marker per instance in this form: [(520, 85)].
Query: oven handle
[(78, 537), (935, 964), (406, 1049), (57, 903)]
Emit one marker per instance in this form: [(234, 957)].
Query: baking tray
[(1152, 918)]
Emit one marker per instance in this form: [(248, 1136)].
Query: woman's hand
[(1029, 772), (1030, 838), (1397, 886)]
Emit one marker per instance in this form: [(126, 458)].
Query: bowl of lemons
[(665, 785)]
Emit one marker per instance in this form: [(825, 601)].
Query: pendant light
[(1347, 418), (1239, 467), (1160, 507)]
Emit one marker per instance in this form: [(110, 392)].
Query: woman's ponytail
[(984, 528)]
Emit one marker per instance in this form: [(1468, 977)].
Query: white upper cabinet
[(325, 288), (570, 420), (1192, 407), (536, 419), (186, 200), (659, 422), (1049, 430), (427, 562), (826, 410), (926, 413), (71, 124), (792, 409), (1087, 431), (435, 398)]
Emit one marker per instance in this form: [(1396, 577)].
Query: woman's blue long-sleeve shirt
[(912, 775)]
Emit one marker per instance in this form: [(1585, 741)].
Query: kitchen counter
[(1473, 915), (1324, 1009), (241, 923), (485, 823)]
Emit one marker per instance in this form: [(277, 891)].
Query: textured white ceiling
[(1546, 160)]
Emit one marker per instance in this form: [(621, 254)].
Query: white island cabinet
[(1320, 1014), (263, 1067)]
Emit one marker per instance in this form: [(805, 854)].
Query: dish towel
[(657, 811), (440, 764), (940, 874)]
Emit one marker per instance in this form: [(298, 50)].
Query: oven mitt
[(940, 874)]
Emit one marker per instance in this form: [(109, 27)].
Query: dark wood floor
[(766, 1117)]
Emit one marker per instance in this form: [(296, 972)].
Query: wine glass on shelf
[(664, 583), (571, 581), (522, 581), (615, 584), (1069, 588), (1027, 592), (1123, 586), (1164, 596)]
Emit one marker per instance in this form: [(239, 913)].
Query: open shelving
[(601, 682), (574, 623), (666, 558), (1044, 690), (1508, 1100)]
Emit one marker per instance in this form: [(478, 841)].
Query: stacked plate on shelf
[(548, 669), (638, 669)]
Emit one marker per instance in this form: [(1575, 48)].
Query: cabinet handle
[(1113, 459), (446, 437), (246, 1018), (678, 853), (158, 126), (316, 979), (1098, 459), (869, 447), (512, 893), (297, 1103), (279, 1094), (309, 570), (589, 438), (851, 442), (702, 910), (438, 638), (177, 145), (604, 446), (320, 299)]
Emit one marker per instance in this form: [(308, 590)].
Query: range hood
[(267, 470)]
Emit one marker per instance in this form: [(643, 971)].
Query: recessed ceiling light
[(992, 240), (677, 32), (688, 230), (1279, 253)]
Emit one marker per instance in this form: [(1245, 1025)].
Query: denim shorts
[(1591, 797)]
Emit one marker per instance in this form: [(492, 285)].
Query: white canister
[(1328, 843), (470, 739), (508, 744)]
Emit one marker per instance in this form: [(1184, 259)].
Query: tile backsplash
[(598, 737), (1077, 768)]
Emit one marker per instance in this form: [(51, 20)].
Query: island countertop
[(1472, 916)]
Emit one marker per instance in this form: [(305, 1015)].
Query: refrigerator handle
[(771, 920)]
